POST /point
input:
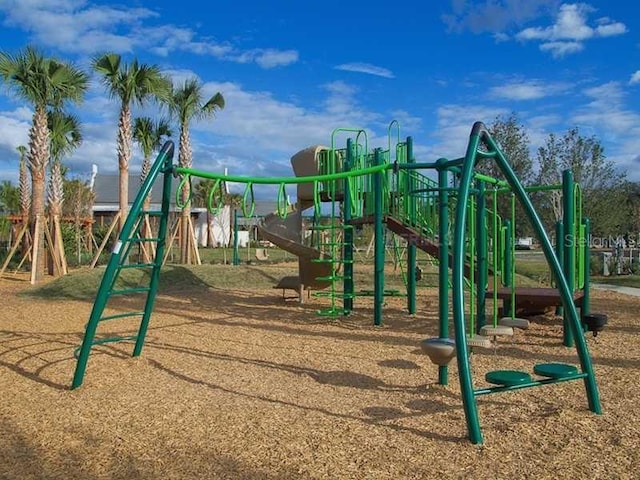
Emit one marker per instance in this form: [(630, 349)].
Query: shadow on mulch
[(25, 458)]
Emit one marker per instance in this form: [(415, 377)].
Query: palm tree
[(186, 103), (9, 197), (23, 185), (65, 136), (43, 82), (131, 84), (25, 197), (149, 136)]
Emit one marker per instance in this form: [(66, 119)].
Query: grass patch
[(622, 280), (82, 284)]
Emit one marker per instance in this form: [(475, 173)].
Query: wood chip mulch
[(244, 385)]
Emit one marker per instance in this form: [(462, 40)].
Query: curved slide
[(286, 234)]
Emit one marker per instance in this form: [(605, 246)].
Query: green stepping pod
[(555, 370), (507, 378)]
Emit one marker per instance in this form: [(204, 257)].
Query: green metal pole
[(411, 246), (507, 277), (481, 255), (347, 254), (464, 370), (236, 253), (569, 247), (559, 254), (507, 251), (378, 229), (443, 263), (586, 299)]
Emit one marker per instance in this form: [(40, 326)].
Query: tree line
[(609, 199)]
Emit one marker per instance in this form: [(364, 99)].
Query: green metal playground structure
[(454, 219)]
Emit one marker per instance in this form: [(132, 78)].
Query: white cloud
[(453, 126), (635, 78), (86, 28), (14, 128), (526, 90), (560, 49), (366, 68), (570, 30), (494, 15), (613, 123), (266, 58)]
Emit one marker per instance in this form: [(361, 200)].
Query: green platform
[(507, 378), (555, 370)]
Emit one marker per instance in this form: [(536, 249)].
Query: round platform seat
[(479, 341), (508, 378), (497, 331), (440, 350), (521, 323), (555, 370)]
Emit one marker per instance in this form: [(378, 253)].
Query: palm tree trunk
[(124, 154), (184, 160), (38, 159)]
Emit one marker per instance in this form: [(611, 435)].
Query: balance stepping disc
[(521, 323), (499, 330), (439, 350), (508, 378), (479, 341), (555, 370)]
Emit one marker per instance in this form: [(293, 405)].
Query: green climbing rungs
[(136, 265), (102, 341), (118, 261), (332, 278), (143, 240), (335, 294), (129, 290), (122, 315)]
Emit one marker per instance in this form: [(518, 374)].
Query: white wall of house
[(221, 228)]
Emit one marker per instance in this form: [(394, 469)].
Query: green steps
[(136, 265), (555, 370), (126, 291), (118, 262), (504, 380), (122, 315)]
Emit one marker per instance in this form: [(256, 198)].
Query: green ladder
[(130, 236), (334, 247)]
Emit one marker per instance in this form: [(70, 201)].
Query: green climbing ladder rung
[(103, 341), (331, 278), (144, 240), (136, 265), (333, 294), (122, 315), (129, 290), (152, 213)]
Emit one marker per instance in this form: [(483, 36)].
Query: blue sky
[(292, 71)]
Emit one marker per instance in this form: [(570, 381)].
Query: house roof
[(106, 188)]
